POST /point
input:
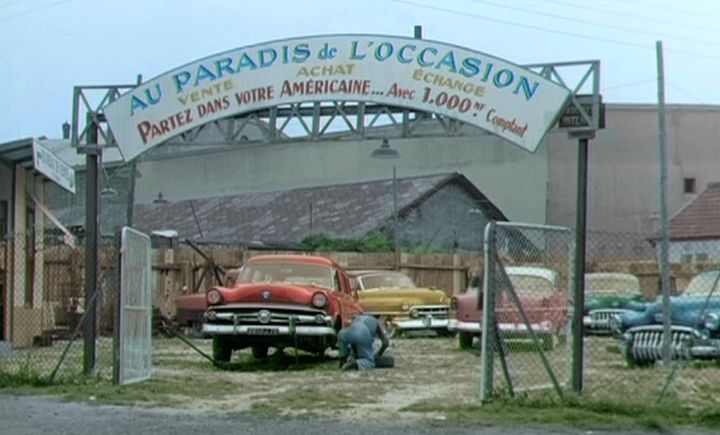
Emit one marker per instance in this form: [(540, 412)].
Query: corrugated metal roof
[(17, 152), (344, 211)]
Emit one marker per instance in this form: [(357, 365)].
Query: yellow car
[(400, 305)]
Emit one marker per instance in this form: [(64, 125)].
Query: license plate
[(427, 322), (263, 331)]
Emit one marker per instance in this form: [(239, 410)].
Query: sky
[(49, 46)]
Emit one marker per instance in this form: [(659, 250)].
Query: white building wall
[(694, 251), (512, 178), (623, 168)]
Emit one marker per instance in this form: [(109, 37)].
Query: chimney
[(66, 130)]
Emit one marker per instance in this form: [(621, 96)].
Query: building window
[(689, 185)]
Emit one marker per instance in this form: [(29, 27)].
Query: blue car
[(695, 324)]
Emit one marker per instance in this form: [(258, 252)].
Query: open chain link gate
[(526, 309), (135, 319)]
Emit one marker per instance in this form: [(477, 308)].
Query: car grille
[(269, 316), (601, 318), (436, 312), (647, 342)]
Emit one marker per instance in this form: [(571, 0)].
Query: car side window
[(336, 282)]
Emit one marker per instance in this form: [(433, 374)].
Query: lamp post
[(386, 152)]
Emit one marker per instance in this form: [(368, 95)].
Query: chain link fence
[(624, 342), (44, 308), (42, 289), (527, 310)]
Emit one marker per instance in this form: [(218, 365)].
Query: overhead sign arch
[(482, 90)]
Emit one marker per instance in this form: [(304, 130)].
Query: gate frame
[(119, 376), (489, 334)]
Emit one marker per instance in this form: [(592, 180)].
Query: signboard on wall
[(51, 166), (491, 93)]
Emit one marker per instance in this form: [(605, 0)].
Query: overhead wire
[(589, 22), (467, 14), (35, 10), (616, 13), (655, 6)]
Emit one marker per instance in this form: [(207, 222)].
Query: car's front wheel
[(260, 351), (386, 323), (465, 340), (222, 350)]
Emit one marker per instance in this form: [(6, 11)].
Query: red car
[(280, 301), (542, 299), (190, 308)]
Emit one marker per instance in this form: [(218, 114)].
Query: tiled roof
[(346, 211), (699, 219)]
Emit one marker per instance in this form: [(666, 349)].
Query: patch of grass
[(280, 361), (23, 378), (579, 413)]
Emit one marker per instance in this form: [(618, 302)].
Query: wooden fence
[(183, 270)]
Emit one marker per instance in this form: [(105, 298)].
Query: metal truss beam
[(314, 121)]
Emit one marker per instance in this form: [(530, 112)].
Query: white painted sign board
[(491, 93)]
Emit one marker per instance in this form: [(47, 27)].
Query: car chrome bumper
[(458, 325), (475, 327), (255, 330), (424, 323)]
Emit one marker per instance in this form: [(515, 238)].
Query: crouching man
[(357, 345)]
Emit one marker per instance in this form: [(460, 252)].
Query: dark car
[(695, 324), (279, 301), (608, 294)]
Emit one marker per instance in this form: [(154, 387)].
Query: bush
[(371, 242)]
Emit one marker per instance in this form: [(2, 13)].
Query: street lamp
[(386, 152)]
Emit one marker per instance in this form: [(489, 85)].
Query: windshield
[(292, 273), (385, 280), (532, 285), (611, 283), (703, 283)]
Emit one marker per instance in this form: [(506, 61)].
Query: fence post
[(579, 269), (487, 330), (92, 217)]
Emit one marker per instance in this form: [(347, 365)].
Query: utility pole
[(664, 242)]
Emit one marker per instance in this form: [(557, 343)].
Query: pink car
[(542, 299)]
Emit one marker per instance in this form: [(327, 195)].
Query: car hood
[(395, 298), (614, 300), (684, 311), (279, 293)]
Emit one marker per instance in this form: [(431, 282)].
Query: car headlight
[(214, 297), (405, 306), (712, 321), (319, 300), (414, 313)]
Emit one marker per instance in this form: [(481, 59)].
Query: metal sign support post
[(579, 266), (92, 219)]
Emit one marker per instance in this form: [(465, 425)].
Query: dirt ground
[(429, 371), (432, 377)]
